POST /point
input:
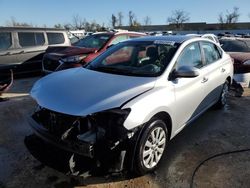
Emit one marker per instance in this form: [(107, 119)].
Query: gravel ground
[(215, 132)]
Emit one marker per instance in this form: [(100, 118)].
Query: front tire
[(151, 146)]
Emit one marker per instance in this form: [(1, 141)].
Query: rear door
[(214, 72)]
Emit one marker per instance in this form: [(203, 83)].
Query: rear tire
[(223, 96), (151, 146)]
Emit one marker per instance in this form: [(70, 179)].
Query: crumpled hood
[(80, 91)]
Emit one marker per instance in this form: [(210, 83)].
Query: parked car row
[(126, 104), (24, 49), (83, 51)]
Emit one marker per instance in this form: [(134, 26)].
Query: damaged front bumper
[(95, 136), (81, 148)]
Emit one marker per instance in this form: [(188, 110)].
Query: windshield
[(93, 41), (147, 58), (235, 45)]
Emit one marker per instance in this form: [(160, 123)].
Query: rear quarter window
[(55, 38), (5, 40)]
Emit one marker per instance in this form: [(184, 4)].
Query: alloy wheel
[(154, 147)]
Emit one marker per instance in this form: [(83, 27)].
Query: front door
[(189, 92)]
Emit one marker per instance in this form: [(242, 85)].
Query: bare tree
[(77, 22), (178, 18), (229, 18), (147, 20), (58, 26), (67, 26), (113, 20), (94, 26), (131, 17), (120, 18), (13, 23)]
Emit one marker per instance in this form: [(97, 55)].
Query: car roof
[(118, 33), (104, 33), (30, 29), (173, 38)]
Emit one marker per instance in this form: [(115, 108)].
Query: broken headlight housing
[(112, 122)]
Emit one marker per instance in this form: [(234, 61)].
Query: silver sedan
[(130, 101)]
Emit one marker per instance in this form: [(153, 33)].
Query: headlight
[(73, 59), (247, 62)]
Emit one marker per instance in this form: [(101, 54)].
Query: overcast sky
[(51, 12)]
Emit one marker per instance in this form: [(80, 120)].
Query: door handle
[(204, 79), (223, 70)]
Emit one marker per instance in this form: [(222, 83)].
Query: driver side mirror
[(185, 72)]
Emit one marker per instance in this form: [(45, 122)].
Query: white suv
[(130, 101)]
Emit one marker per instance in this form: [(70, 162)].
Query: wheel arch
[(167, 119)]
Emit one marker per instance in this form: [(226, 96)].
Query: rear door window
[(27, 39), (5, 40), (55, 38), (211, 53)]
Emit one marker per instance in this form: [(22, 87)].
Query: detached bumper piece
[(92, 136)]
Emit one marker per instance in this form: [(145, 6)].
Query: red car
[(83, 51), (239, 50)]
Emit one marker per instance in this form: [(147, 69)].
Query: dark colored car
[(239, 50), (83, 51)]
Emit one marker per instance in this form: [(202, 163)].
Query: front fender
[(145, 106)]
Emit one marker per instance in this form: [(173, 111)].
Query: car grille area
[(68, 132), (58, 124)]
